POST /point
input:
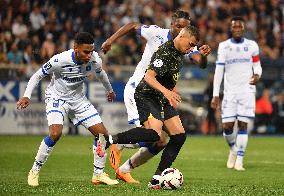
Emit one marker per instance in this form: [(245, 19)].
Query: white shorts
[(80, 111), (130, 104), (238, 106)]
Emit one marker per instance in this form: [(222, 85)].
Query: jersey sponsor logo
[(73, 80), (158, 63), (145, 26), (241, 60), (47, 66)]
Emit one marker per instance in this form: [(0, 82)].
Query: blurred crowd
[(31, 31)]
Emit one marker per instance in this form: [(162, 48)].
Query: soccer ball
[(173, 178)]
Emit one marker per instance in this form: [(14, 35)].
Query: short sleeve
[(50, 66), (159, 65), (221, 56), (148, 31)]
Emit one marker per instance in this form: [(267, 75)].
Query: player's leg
[(148, 108), (241, 144), (229, 116), (55, 117), (246, 108), (133, 119), (84, 113), (177, 136), (140, 157)]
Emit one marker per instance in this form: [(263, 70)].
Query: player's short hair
[(84, 38), (180, 14), (192, 30), (240, 18)]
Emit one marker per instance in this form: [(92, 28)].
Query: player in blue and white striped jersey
[(155, 37), (65, 97)]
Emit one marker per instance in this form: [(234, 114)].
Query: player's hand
[(111, 96), (215, 103), (254, 79), (106, 46), (205, 50), (23, 103), (173, 98)]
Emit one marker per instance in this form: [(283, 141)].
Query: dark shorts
[(151, 106)]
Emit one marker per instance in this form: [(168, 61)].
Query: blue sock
[(49, 142)]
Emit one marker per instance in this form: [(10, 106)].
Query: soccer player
[(155, 99), (155, 37), (64, 96), (238, 62)]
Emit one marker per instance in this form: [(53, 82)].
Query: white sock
[(139, 158), (99, 162), (130, 146), (241, 143), (42, 155), (231, 140)]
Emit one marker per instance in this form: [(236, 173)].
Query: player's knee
[(228, 128), (55, 132), (242, 125)]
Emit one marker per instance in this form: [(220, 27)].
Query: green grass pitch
[(202, 162)]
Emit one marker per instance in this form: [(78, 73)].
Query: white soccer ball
[(173, 178)]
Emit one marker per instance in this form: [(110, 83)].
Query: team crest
[(158, 63), (246, 48)]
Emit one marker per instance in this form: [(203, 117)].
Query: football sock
[(130, 146), (139, 158), (170, 152), (231, 139), (99, 161), (43, 153), (241, 143), (135, 135)]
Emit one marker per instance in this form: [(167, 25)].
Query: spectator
[(263, 112), (278, 112), (48, 47), (3, 57), (14, 55), (28, 54), (37, 19), (18, 27)]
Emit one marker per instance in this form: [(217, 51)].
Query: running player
[(238, 61), (155, 37), (155, 99), (64, 96)]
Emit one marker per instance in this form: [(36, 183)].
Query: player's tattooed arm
[(132, 26)]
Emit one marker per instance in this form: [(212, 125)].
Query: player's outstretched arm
[(106, 46), (201, 57), (102, 76), (23, 103), (34, 80)]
